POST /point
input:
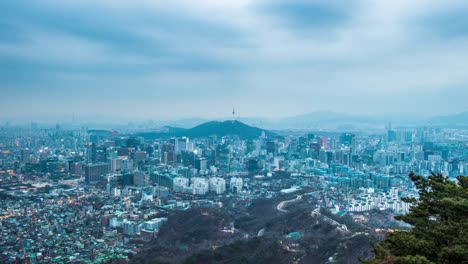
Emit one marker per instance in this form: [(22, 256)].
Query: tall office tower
[(100, 154), (96, 153), (168, 154), (175, 142), (354, 146), (93, 172), (302, 144), (25, 155), (293, 147), (223, 157), (190, 146), (182, 144), (138, 157), (108, 186), (115, 164), (315, 148), (201, 164), (89, 152), (271, 147)]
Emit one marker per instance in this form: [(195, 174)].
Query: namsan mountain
[(218, 128)]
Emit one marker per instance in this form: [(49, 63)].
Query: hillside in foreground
[(259, 234)]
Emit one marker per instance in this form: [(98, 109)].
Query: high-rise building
[(271, 147), (126, 165), (140, 179), (25, 153), (182, 144), (201, 164), (168, 154), (236, 184), (77, 168), (180, 183), (315, 148), (96, 153), (217, 185), (138, 157), (93, 172), (199, 186), (115, 164), (131, 228)]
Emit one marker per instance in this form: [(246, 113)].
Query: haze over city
[(272, 59), (234, 131)]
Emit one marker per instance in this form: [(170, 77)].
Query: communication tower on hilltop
[(233, 114)]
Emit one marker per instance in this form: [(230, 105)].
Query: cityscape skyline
[(91, 195), (233, 131), (153, 59)]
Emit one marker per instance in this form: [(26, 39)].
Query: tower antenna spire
[(233, 113)]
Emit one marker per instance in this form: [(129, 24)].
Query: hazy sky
[(171, 59)]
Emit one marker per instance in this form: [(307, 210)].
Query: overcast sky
[(171, 59)]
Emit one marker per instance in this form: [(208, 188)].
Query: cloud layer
[(163, 59)]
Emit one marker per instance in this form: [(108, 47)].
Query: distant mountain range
[(219, 128), (460, 119), (324, 120), (340, 121)]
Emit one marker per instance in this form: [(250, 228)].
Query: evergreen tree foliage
[(440, 223)]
